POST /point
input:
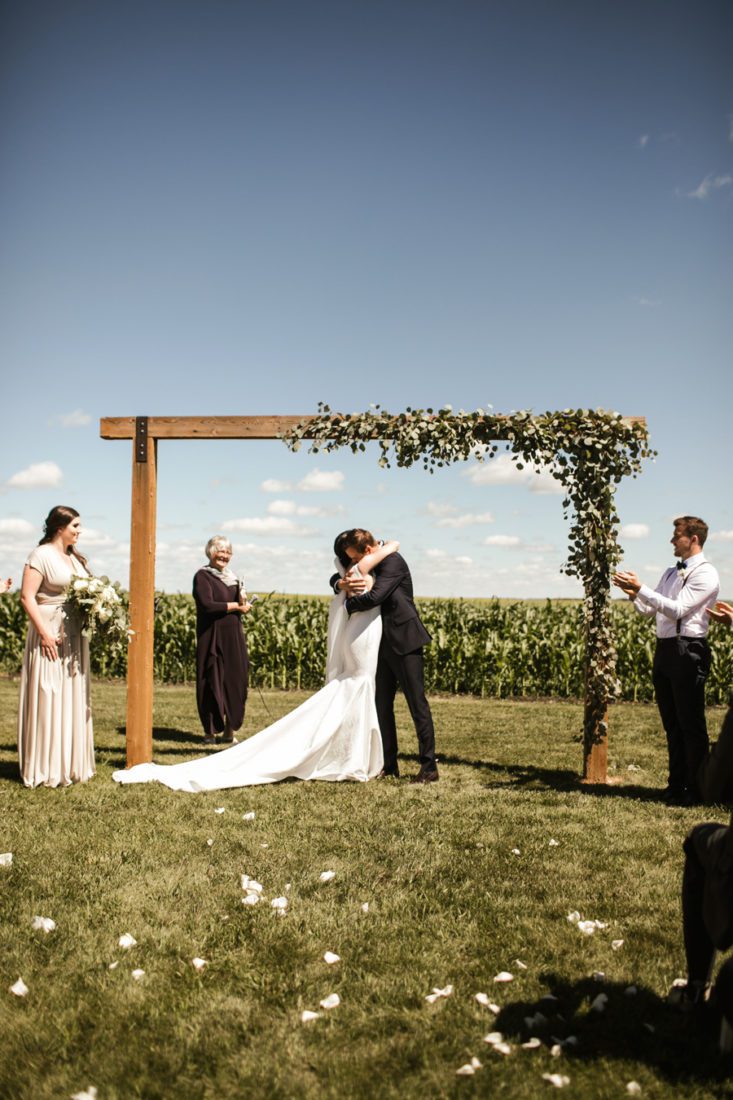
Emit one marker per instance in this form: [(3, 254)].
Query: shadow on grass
[(680, 1048)]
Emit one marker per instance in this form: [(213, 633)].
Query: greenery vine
[(588, 451)]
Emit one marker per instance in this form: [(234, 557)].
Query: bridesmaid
[(222, 662), (55, 738)]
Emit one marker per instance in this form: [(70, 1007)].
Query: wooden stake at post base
[(142, 598), (595, 747)]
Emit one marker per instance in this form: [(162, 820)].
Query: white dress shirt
[(682, 594)]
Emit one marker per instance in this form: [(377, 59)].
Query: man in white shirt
[(682, 656)]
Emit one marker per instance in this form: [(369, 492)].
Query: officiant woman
[(222, 662)]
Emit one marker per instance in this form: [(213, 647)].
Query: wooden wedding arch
[(144, 432)]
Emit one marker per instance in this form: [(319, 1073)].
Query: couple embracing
[(347, 729)]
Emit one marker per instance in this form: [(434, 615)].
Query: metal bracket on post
[(141, 439)]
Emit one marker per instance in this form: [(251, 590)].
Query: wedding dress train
[(333, 736)]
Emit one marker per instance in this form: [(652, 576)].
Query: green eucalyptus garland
[(588, 451)]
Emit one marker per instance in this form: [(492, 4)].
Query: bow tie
[(681, 565)]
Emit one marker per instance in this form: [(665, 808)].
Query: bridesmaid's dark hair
[(58, 518), (339, 548)]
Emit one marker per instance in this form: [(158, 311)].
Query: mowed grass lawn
[(450, 903)]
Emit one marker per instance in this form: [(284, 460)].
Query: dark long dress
[(222, 662)]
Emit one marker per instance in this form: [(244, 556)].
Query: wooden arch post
[(145, 433)]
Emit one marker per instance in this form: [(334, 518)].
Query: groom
[(400, 653)]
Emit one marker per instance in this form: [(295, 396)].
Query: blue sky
[(246, 208)]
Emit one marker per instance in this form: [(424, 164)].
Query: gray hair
[(215, 541)]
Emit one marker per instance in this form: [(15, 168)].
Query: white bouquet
[(100, 605)]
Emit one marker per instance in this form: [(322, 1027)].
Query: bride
[(334, 735)]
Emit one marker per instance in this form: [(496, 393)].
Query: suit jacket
[(715, 778), (392, 592)]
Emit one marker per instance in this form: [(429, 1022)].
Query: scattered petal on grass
[(650, 1028), (20, 989), (138, 974), (536, 1022), (264, 845), (251, 885), (437, 993), (502, 1048), (599, 975), (365, 907), (532, 1043), (630, 991), (250, 816), (633, 1088), (555, 1050), (307, 1016), (127, 941), (210, 842), (475, 1063), (617, 944), (600, 1002), (574, 917), (482, 998), (553, 843), (331, 1001), (113, 966), (326, 876), (87, 1094), (494, 1037), (520, 964), (633, 768), (279, 903), (6, 859), (250, 899), (559, 1080), (219, 810), (588, 927), (465, 1071), (43, 924), (331, 957), (504, 976), (198, 964), (516, 852), (288, 886)]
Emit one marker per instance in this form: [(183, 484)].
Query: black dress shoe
[(387, 775), (672, 795), (426, 775)]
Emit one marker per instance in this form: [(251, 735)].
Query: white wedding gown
[(334, 735)]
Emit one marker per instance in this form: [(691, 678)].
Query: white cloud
[(721, 536), (440, 508), (464, 561), (434, 553), (269, 525), (41, 475), (648, 301), (643, 141), (469, 519), (91, 537), (322, 481), (75, 419), (290, 508), (710, 183), (272, 485), (503, 471), (634, 530), (503, 540), (16, 527)]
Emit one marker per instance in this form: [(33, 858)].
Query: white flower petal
[(633, 1088), (600, 1002), (331, 1001), (465, 1071), (113, 966), (475, 1063), (331, 957), (198, 964), (210, 842), (326, 876), (536, 1022), (587, 927), (559, 1080), (520, 964), (630, 991), (307, 1015), (617, 944), (365, 907), (516, 852), (502, 1048), (6, 859), (126, 940), (279, 903), (19, 988), (599, 975), (252, 886), (220, 810), (88, 1094), (43, 924), (493, 1038), (504, 976), (264, 845), (250, 899), (250, 816), (553, 843), (555, 1050), (482, 998), (138, 974), (574, 917), (532, 1043)]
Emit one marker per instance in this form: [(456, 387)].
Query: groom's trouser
[(681, 667), (406, 670)]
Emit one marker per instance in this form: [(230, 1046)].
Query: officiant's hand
[(722, 612), (628, 583)]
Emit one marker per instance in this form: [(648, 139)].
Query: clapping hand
[(722, 612), (5, 585), (627, 582)]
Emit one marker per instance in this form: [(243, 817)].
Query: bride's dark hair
[(339, 548), (58, 518)]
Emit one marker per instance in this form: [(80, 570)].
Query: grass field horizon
[(462, 882)]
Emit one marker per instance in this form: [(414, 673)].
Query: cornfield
[(487, 648)]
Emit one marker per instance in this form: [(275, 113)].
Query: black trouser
[(681, 667), (406, 670), (707, 899)]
